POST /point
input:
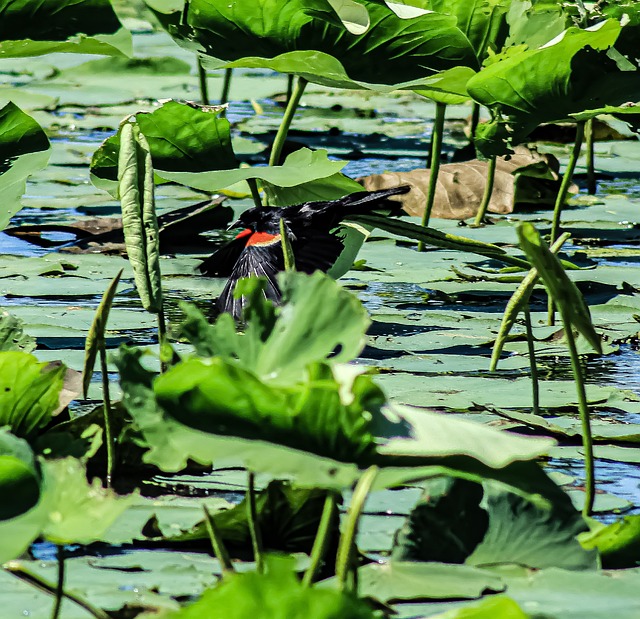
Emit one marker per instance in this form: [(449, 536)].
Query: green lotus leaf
[(29, 392), (523, 533), (78, 512), (21, 518), (82, 26), (278, 594), (181, 137), (317, 317), (24, 149), (308, 38), (12, 336), (571, 73)]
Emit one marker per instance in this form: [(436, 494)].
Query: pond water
[(434, 315)]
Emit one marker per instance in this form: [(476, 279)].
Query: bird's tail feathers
[(364, 202)]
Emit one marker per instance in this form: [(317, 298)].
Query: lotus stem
[(254, 528), (226, 86), (321, 542), (19, 571), (475, 121), (287, 251), (106, 412), (289, 113), (488, 190), (289, 86), (346, 546), (566, 181), (583, 407), (162, 333), (202, 79), (591, 172), (517, 302), (255, 193), (560, 200), (535, 384), (217, 544), (436, 148), (55, 612)]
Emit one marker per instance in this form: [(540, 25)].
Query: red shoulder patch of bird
[(262, 238)]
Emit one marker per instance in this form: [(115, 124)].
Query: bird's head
[(254, 219)]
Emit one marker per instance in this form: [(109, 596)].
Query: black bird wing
[(264, 262), (222, 261)]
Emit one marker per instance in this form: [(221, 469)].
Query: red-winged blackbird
[(310, 229)]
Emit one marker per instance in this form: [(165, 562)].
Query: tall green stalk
[(217, 544), (591, 172), (254, 527), (583, 407), (108, 421), (436, 149), (289, 113), (202, 79), (255, 193), (287, 250), (226, 86), (535, 383), (321, 542), (347, 547), (488, 190), (475, 119), (560, 200)]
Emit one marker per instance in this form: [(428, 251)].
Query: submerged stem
[(38, 582), (346, 546), (436, 148), (488, 190), (202, 78), (289, 113), (583, 407), (106, 412), (535, 385), (322, 539), (254, 528), (591, 172)]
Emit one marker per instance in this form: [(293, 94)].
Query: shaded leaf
[(24, 149), (83, 26), (12, 336)]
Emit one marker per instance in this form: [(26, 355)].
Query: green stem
[(346, 546), (55, 613), (436, 148), (108, 425), (202, 78), (289, 86), (535, 385), (289, 113), (254, 528), (255, 193), (321, 542), (287, 251), (226, 86), (34, 580), (162, 333), (217, 543), (566, 181), (488, 190), (591, 172), (583, 407), (560, 200), (475, 121)]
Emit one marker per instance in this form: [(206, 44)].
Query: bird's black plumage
[(310, 227)]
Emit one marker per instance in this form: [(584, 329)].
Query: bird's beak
[(235, 224)]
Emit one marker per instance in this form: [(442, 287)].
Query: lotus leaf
[(83, 26), (308, 38)]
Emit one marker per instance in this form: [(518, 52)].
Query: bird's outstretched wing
[(222, 261), (264, 262)]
